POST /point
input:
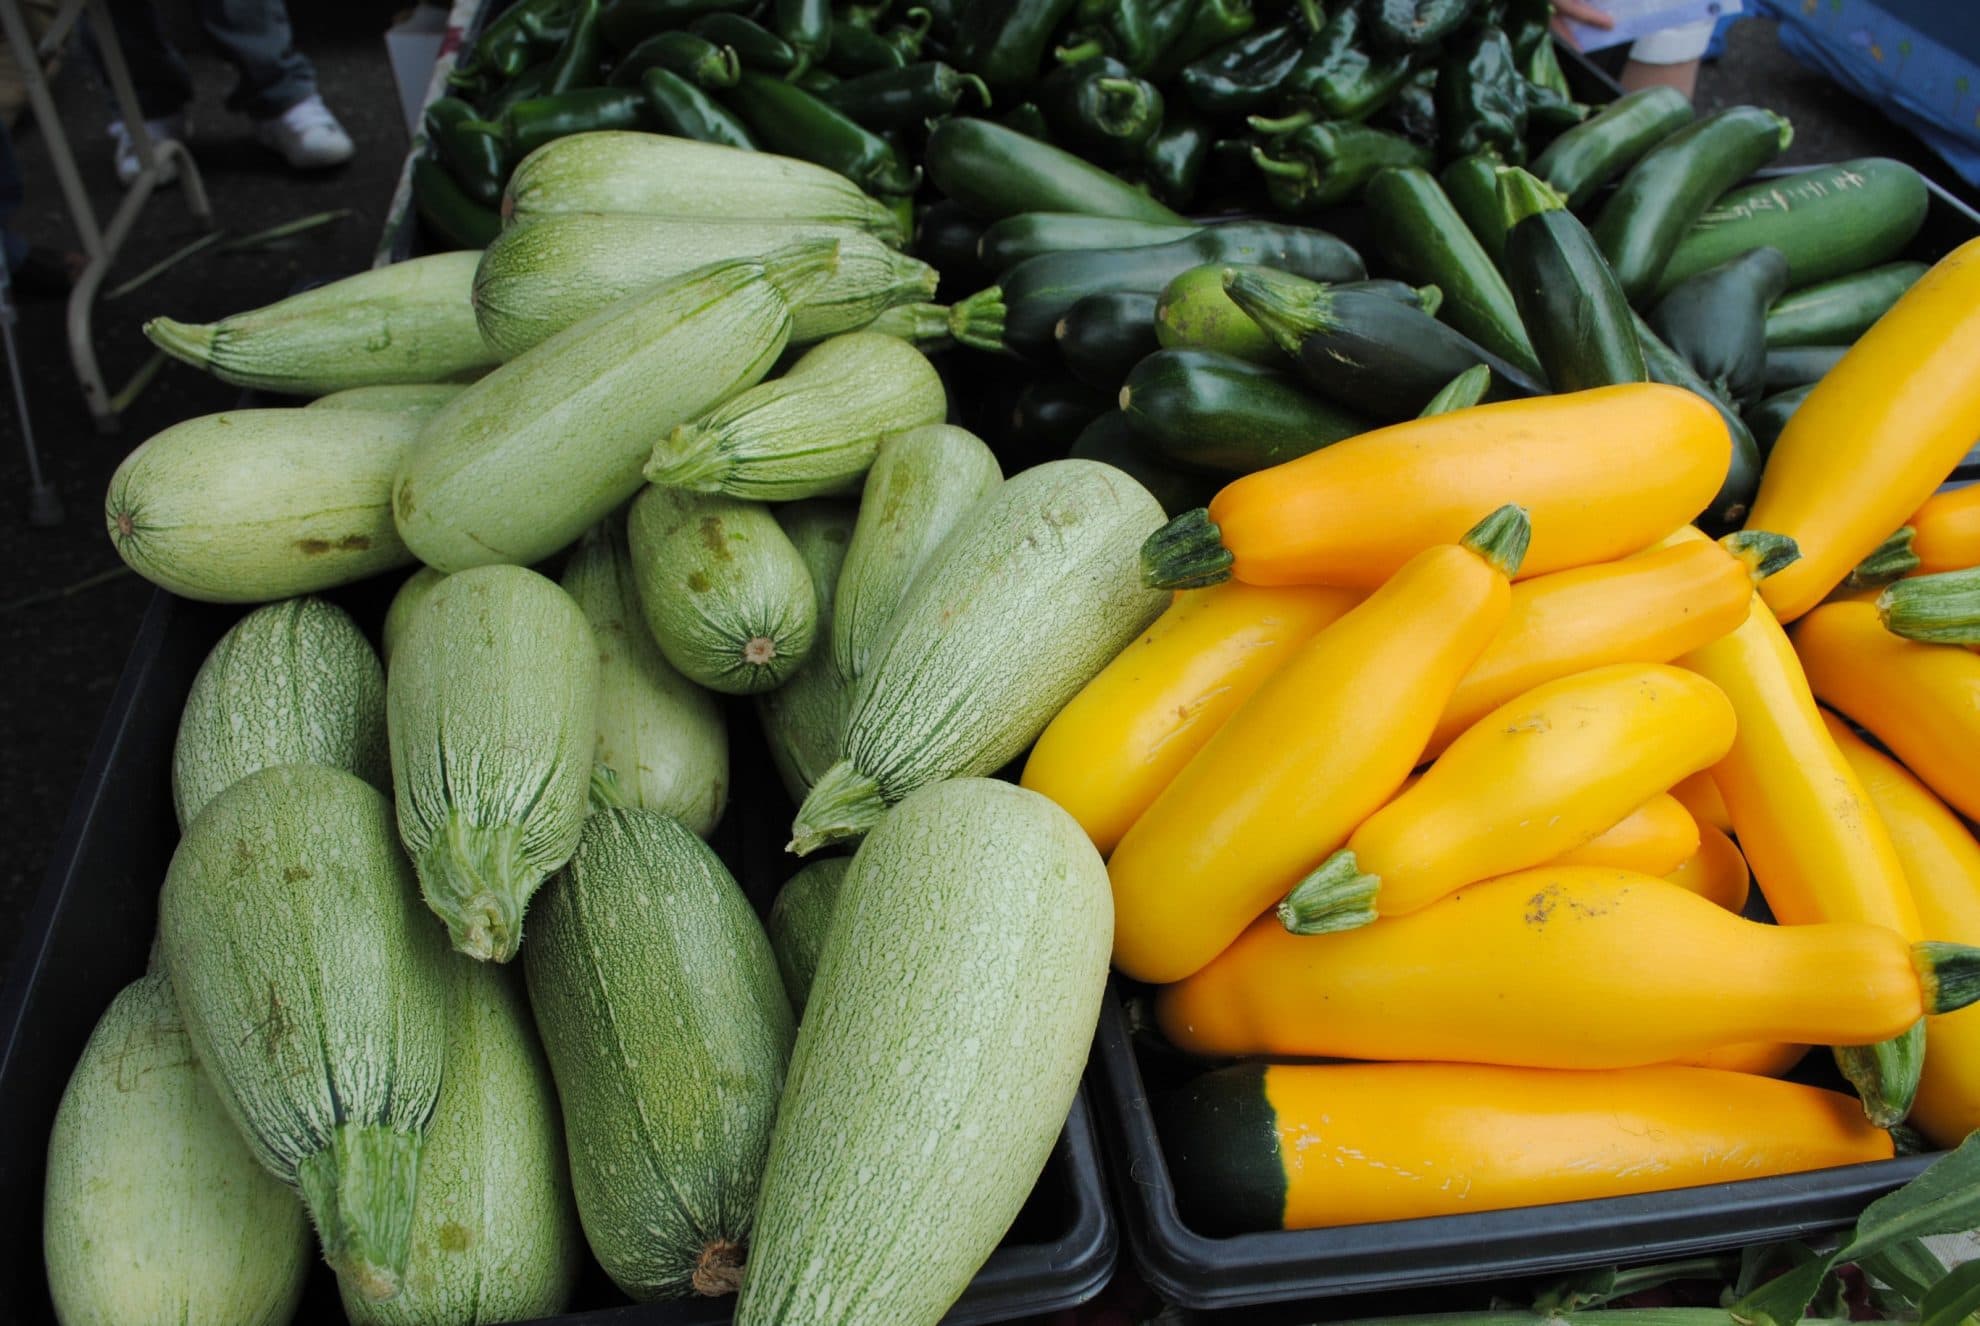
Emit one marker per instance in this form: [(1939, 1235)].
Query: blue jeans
[(252, 34), (13, 192)]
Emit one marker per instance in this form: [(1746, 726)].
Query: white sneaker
[(307, 135), (128, 165)]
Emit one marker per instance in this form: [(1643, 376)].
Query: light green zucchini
[(802, 718), (922, 482), (420, 400), (253, 505), (1033, 593), (494, 1234), (725, 594), (798, 921), (154, 1208), (313, 992), (668, 1045), (491, 703), (539, 278), (663, 176), (544, 447), (661, 735), (292, 683), (811, 432), (411, 593), (940, 1050), (410, 322)]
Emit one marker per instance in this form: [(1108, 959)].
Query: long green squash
[(676, 177), (253, 505), (725, 594), (409, 322), (292, 683), (154, 1208), (410, 594), (802, 718), (660, 735), (420, 400), (544, 447), (940, 1049), (798, 920), (812, 432), (1031, 594), (494, 1234), (922, 482), (539, 278), (491, 704), (668, 1032), (313, 993)]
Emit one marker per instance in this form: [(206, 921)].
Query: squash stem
[(1186, 553), (1461, 392), (1286, 308), (1940, 609), (1124, 106), (978, 321), (471, 881), (1337, 896), (1430, 298), (605, 790), (926, 327), (1762, 552), (1523, 194), (1890, 560), (359, 1190), (1285, 124), (1949, 974), (690, 457), (844, 803), (1501, 539), (1885, 1075), (187, 342)]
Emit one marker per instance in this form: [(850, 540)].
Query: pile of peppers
[(1291, 104)]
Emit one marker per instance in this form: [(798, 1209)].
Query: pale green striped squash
[(410, 594), (420, 400), (798, 920), (802, 718)]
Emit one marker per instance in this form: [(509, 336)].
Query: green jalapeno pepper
[(807, 26), (693, 57), (470, 148), (896, 98), (789, 120), (1003, 42), (755, 45), (530, 124), (680, 108), (445, 209), (627, 23)]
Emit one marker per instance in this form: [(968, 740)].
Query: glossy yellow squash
[(1603, 473), (1324, 742), (1921, 700), (1700, 795), (1715, 871), (1538, 776), (1878, 433), (1656, 838), (1111, 751), (1946, 531), (1943, 862), (1649, 608), (1560, 967), (1307, 1146), (1761, 1058)]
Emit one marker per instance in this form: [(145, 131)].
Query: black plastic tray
[(89, 932)]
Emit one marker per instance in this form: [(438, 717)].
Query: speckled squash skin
[(494, 1235), (667, 1031), (295, 682), (802, 718), (418, 400), (411, 593), (311, 988), (941, 1047), (798, 921), (155, 1210)]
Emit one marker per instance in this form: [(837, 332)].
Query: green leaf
[(1587, 1289), (1909, 1267), (1954, 1298)]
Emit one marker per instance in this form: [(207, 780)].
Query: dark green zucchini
[(1799, 365), (1727, 510), (1827, 222), (1051, 411), (1211, 412), (1665, 193), (1423, 237), (1472, 184), (1371, 353), (1106, 334), (1568, 298), (1221, 1137), (946, 238), (1717, 321), (1836, 312), (1608, 143), (997, 172), (1038, 291), (1770, 416), (1112, 440), (1009, 242)]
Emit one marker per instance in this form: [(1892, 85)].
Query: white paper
[(1638, 18)]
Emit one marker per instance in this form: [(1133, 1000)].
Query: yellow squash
[(1656, 838), (1946, 531), (1561, 967), (1877, 434), (1111, 751), (1649, 608), (1308, 1146), (1943, 862), (1921, 700), (1538, 776), (1700, 796), (1716, 871), (1761, 1058), (1324, 742)]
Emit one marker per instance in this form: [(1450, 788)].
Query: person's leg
[(254, 35), (158, 72), (1668, 58)]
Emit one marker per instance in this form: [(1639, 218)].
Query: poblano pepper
[(1338, 76), (1481, 95), (1172, 161), (1243, 76), (1100, 109), (1327, 163)]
